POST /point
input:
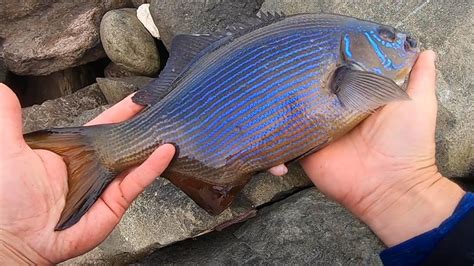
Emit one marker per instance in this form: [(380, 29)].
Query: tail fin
[(87, 176)]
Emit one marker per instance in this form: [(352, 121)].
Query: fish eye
[(387, 34)]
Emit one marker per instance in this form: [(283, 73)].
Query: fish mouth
[(411, 45)]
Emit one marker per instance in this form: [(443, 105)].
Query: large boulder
[(41, 37), (128, 43), (444, 26), (173, 17), (304, 229)]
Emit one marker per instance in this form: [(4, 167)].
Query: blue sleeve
[(415, 250)]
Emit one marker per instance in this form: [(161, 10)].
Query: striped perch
[(240, 102)]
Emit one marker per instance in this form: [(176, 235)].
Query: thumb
[(11, 136), (422, 82)]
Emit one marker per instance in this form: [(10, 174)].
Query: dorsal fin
[(184, 50), (187, 49)]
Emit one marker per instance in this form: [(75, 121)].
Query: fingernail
[(432, 54)]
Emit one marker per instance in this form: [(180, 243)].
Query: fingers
[(11, 134), (121, 111), (278, 170), (422, 82), (122, 191), (139, 178)]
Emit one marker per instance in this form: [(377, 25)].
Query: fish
[(238, 102)]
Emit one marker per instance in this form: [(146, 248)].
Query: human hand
[(384, 170), (33, 187)]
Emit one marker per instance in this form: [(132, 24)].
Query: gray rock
[(163, 215), (57, 84), (112, 70), (304, 229), (446, 27), (42, 37), (87, 116), (63, 111), (115, 89), (173, 17), (137, 3), (128, 43)]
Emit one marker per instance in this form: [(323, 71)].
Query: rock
[(42, 37), (163, 215), (178, 16), (63, 111), (87, 116), (304, 229), (137, 3), (128, 43), (17, 9), (143, 14), (114, 71), (268, 188), (115, 89), (432, 23)]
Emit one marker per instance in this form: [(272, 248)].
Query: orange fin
[(214, 198), (87, 177)]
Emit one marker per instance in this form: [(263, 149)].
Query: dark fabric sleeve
[(417, 250), (457, 248)]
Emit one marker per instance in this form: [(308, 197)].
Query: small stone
[(143, 14), (115, 89), (128, 43), (63, 111)]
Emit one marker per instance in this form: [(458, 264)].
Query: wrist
[(408, 209), (13, 251)]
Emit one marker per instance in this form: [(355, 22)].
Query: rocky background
[(70, 60)]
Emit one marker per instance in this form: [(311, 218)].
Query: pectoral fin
[(365, 91)]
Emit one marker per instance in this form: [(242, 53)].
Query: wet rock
[(163, 215), (304, 229), (42, 37), (178, 16), (432, 23), (128, 43), (113, 70), (115, 89), (63, 111)]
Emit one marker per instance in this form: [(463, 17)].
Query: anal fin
[(214, 198)]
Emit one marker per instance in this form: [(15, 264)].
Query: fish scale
[(239, 103)]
